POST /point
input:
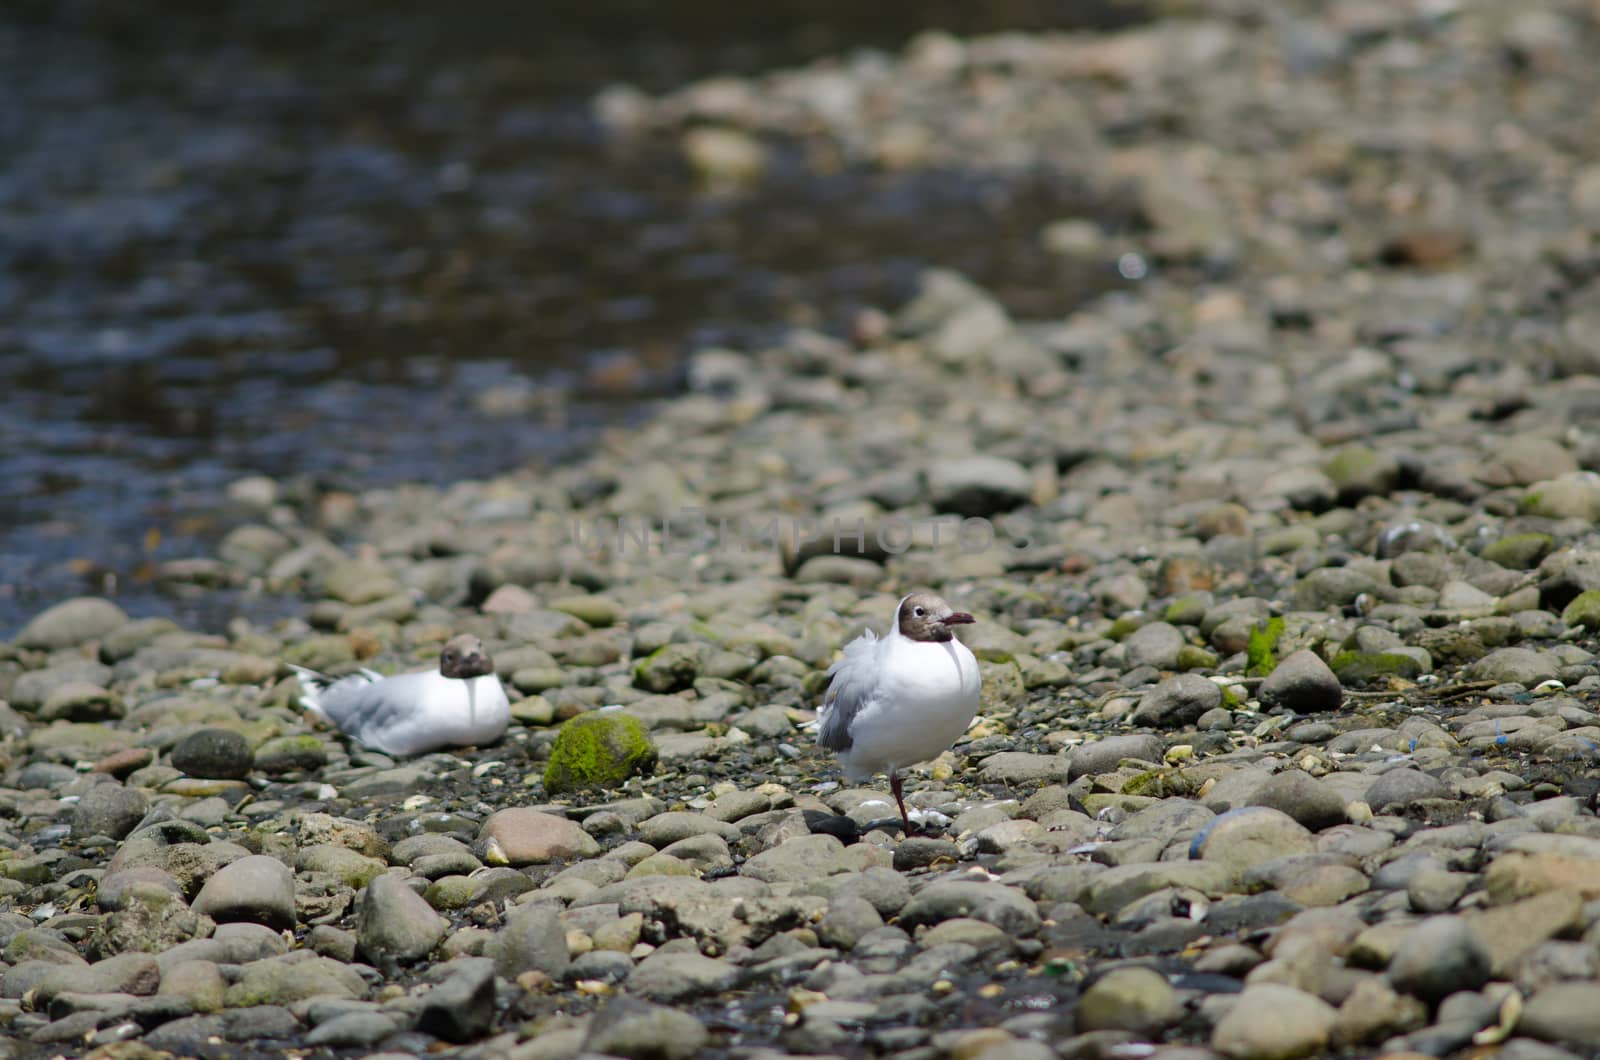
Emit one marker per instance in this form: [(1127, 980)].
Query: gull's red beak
[(958, 618)]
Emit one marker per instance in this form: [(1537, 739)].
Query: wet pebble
[(220, 754)]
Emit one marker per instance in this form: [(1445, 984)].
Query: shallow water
[(371, 243)]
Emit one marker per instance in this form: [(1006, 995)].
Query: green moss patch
[(1584, 610), (1260, 653), (1368, 667), (598, 751), (1519, 551)]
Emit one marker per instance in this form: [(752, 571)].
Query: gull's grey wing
[(851, 686), (361, 707)]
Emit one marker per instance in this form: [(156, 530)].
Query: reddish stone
[(120, 763)]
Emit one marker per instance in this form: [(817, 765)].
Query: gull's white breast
[(925, 696)]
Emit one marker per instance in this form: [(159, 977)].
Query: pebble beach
[(1282, 554)]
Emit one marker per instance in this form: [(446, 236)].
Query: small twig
[(1466, 688)]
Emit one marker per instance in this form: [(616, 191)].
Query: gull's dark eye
[(919, 612)]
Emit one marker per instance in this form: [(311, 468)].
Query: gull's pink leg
[(899, 797)]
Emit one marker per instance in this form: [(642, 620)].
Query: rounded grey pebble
[(1179, 700), (1102, 756), (71, 622), (1131, 999), (1155, 644), (978, 485), (1005, 907), (631, 1028), (532, 940), (1434, 889), (1521, 666), (1564, 1012), (214, 754), (1242, 838), (258, 888), (884, 888), (1438, 957), (461, 1009), (1303, 797), (1301, 1024), (355, 1029), (917, 852), (330, 941), (1402, 787), (848, 918), (395, 923), (110, 810), (607, 966), (1303, 683)]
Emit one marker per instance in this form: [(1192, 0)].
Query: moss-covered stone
[(353, 870), (1159, 784), (1044, 673), (455, 892), (535, 679), (67, 741), (598, 751), (661, 865), (276, 981), (779, 670), (995, 655), (80, 701), (593, 610), (814, 684), (1260, 653), (31, 871), (671, 668), (1002, 685), (321, 652), (533, 710), (291, 754), (1360, 471), (1188, 609), (151, 920), (1519, 551), (1095, 801), (1451, 644), (1368, 667), (1570, 496), (1194, 657), (1126, 623), (1584, 610)]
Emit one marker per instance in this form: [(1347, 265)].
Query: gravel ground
[(1287, 590)]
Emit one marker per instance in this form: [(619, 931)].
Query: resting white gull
[(461, 704), (901, 698)]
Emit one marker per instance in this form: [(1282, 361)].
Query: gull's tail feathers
[(312, 685)]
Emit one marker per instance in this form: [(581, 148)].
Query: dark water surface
[(381, 242)]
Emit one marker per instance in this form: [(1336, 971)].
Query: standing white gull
[(901, 698), (461, 704)]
